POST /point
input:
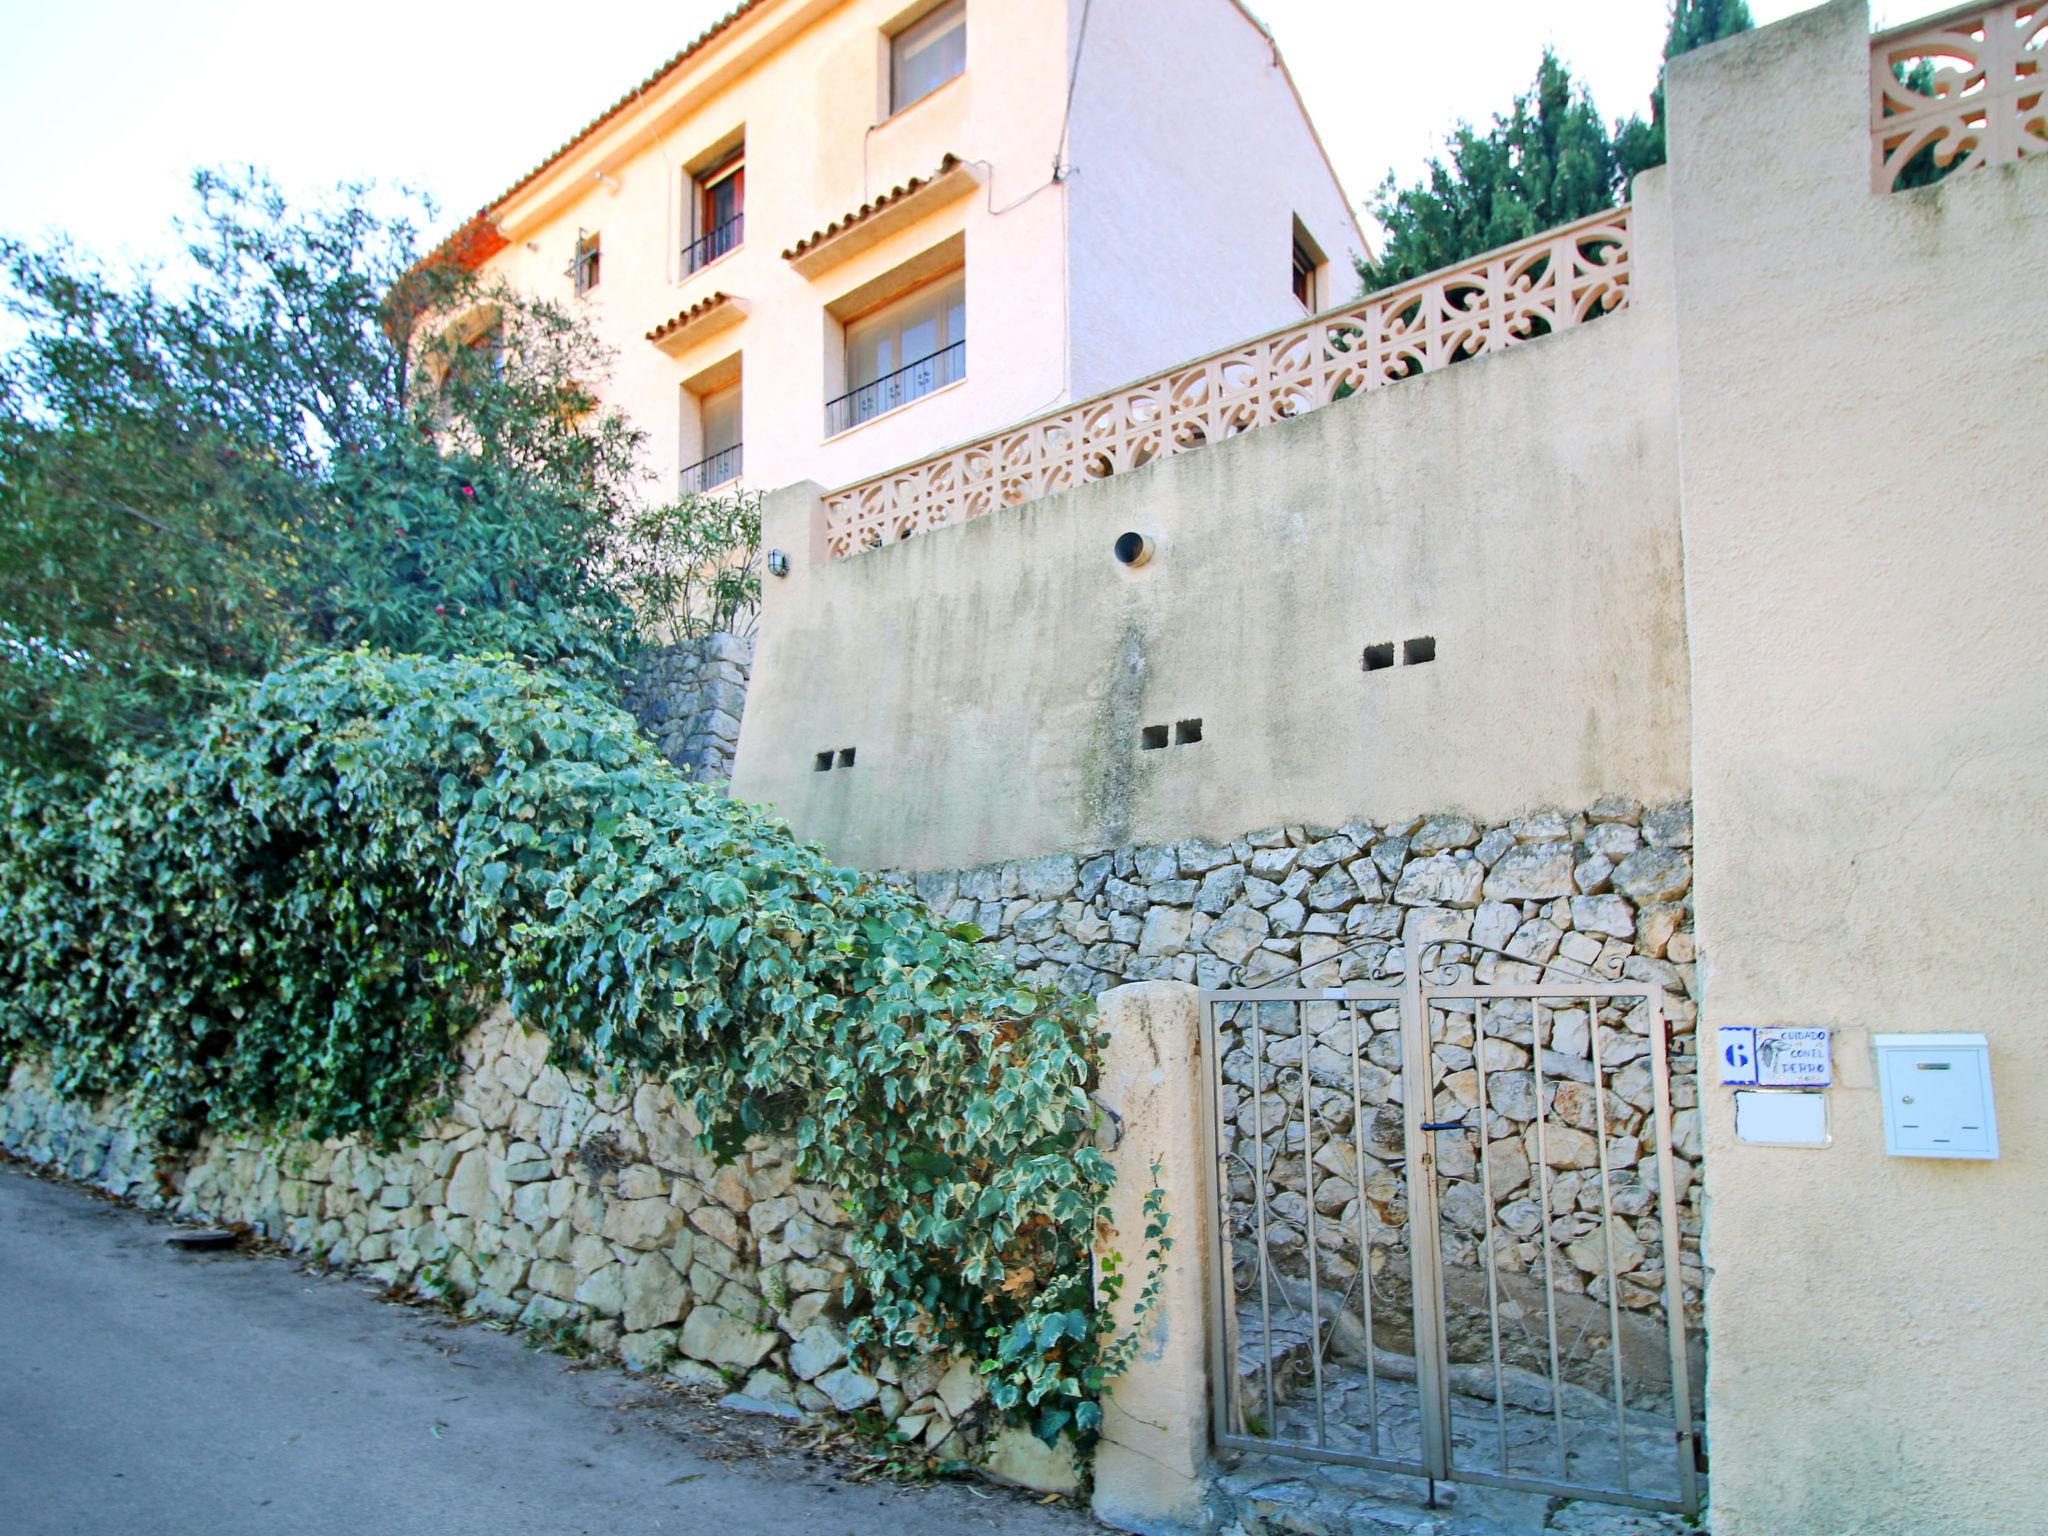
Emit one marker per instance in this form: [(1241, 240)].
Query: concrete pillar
[(792, 524), (1150, 1462)]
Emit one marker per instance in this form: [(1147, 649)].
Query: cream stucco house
[(829, 236)]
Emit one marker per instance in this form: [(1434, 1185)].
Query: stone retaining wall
[(548, 1200), (556, 1202), (689, 697), (1612, 886), (1606, 891)]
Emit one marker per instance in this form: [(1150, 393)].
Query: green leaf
[(291, 921)]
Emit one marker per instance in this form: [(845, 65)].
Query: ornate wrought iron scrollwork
[(1444, 973)]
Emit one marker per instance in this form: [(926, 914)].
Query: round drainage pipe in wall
[(1133, 549)]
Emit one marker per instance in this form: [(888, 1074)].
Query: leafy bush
[(289, 923), (693, 567), (305, 447)]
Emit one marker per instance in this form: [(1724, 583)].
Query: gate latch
[(1444, 1125)]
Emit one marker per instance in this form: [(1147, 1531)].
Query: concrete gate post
[(1150, 1461)]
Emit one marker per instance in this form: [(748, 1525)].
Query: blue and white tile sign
[(1773, 1057)]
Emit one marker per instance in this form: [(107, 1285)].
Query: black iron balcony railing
[(943, 367), (716, 470), (706, 249)]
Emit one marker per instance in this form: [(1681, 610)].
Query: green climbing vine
[(1123, 1349), (291, 921)]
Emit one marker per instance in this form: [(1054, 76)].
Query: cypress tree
[(1547, 161), (1694, 23)]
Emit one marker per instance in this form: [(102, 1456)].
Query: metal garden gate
[(1448, 1239)]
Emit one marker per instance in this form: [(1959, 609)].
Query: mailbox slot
[(1936, 1091)]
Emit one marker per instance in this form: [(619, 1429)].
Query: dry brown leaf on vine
[(1017, 1282)]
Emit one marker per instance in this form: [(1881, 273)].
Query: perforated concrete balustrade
[(1540, 285), (1987, 102)]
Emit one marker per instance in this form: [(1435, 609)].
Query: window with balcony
[(718, 201), (902, 352), (718, 416), (586, 265), (927, 53)]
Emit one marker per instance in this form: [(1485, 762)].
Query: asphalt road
[(143, 1390)]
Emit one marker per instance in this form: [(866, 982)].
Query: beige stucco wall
[(1867, 585), (1228, 161), (807, 82), (993, 677)]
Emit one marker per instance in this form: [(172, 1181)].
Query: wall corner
[(793, 526), (793, 521)]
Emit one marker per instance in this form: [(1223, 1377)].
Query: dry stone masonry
[(1607, 889), (1604, 893), (689, 697), (561, 1204)]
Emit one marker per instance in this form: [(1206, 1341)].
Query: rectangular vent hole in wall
[(1151, 738), (846, 757), (1379, 656), (823, 763), (1186, 732), (1420, 649)]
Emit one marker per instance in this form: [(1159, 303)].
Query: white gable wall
[(1191, 160)]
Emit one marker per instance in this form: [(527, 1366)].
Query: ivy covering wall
[(319, 574), (290, 922)]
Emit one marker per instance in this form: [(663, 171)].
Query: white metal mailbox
[(1937, 1095)]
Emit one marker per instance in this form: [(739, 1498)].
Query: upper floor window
[(1304, 277), (465, 355), (902, 352), (1309, 261), (718, 199), (718, 423), (487, 346), (585, 267), (927, 53)]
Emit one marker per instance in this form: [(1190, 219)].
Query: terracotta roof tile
[(472, 244), (690, 316), (668, 68), (475, 241), (866, 211)]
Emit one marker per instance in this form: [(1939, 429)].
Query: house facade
[(1455, 734), (832, 235), (1667, 644)]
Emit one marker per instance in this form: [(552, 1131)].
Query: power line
[(1073, 79)]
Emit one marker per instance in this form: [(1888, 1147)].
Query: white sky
[(106, 106)]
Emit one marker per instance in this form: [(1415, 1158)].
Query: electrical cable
[(1073, 79)]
